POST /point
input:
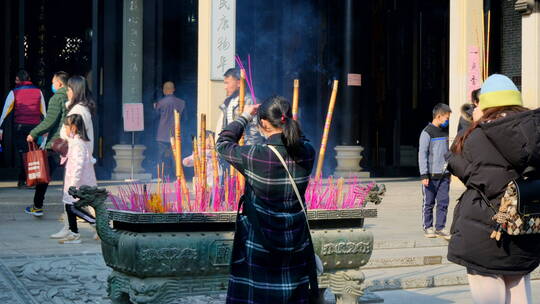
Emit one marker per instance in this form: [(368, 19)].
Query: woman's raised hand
[(251, 109)]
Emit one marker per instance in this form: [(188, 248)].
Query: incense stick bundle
[(326, 131), (295, 99)]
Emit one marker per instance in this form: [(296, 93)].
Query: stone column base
[(351, 174), (348, 159), (123, 156)]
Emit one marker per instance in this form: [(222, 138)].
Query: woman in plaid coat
[(273, 259)]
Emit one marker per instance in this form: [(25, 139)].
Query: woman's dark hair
[(77, 120), (475, 97), (277, 111), (490, 114), (81, 94)]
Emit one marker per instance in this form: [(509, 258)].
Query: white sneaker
[(71, 238), (60, 234), (430, 233)]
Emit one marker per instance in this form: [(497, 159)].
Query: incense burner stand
[(160, 258)]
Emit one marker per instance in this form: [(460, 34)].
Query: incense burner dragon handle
[(95, 197)]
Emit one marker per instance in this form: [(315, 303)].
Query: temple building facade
[(394, 60)]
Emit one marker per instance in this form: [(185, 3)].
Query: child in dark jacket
[(435, 177)]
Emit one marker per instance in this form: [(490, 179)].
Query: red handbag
[(36, 166)]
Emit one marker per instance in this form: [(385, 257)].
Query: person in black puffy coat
[(503, 140)]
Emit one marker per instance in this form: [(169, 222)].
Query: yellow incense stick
[(487, 43), (296, 90), (202, 181), (196, 165), (214, 161), (326, 131)]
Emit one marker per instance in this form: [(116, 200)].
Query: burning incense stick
[(326, 131), (295, 99)]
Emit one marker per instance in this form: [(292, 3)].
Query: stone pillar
[(132, 51), (132, 59), (210, 93), (465, 23), (530, 54)]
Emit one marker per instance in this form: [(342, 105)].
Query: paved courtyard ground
[(405, 267)]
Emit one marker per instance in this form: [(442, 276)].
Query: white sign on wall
[(223, 37)]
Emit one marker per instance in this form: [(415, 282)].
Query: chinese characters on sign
[(132, 51), (354, 80), (223, 37), (133, 117), (474, 80)]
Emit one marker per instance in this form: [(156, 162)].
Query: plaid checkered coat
[(270, 264)]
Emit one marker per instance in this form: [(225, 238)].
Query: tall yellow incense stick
[(483, 32), (242, 97), (196, 162), (203, 151), (241, 105), (178, 158), (173, 149), (295, 99), (215, 164), (487, 42), (326, 131), (177, 148), (242, 93)]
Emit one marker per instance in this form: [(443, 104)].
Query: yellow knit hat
[(497, 91)]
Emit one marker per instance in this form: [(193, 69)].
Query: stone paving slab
[(420, 277), (398, 229), (407, 257), (441, 295)]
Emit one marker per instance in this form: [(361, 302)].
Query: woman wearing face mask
[(502, 141), (273, 259)]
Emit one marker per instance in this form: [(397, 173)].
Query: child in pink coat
[(79, 171)]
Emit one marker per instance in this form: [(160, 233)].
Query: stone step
[(419, 277), (407, 257), (421, 242)]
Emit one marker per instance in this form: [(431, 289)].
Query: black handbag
[(528, 196)]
